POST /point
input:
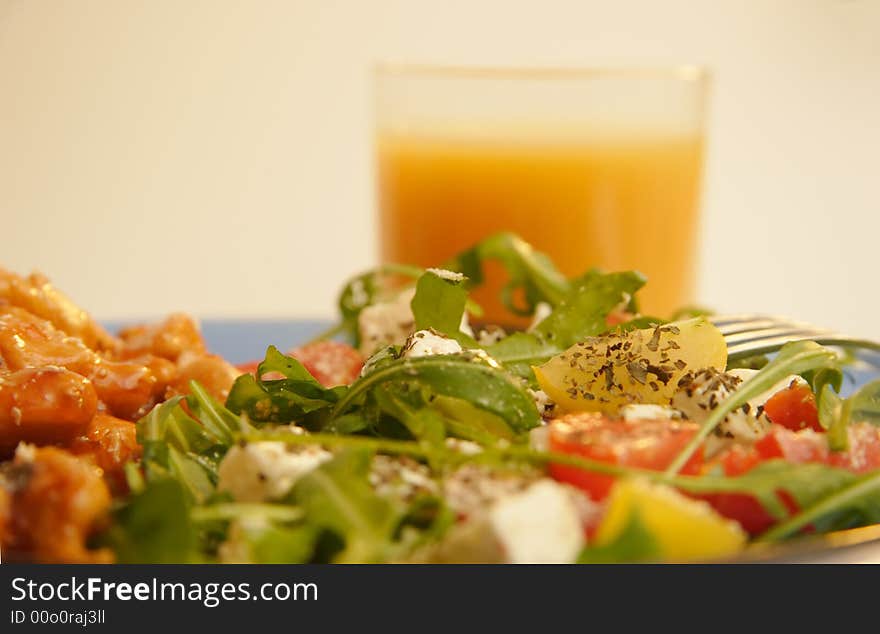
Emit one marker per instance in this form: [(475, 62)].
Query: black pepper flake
[(663, 374)]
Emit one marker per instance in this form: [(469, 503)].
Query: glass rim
[(679, 72)]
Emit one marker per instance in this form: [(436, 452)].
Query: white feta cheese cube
[(261, 471), (538, 525), (424, 343), (637, 411)]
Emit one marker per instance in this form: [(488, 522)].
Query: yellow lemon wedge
[(604, 373), (685, 529)]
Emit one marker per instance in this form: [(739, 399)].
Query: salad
[(412, 432)]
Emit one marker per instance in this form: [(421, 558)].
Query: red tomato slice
[(330, 362), (793, 446), (648, 444), (803, 446), (741, 508), (794, 408)]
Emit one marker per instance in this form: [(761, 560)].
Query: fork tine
[(780, 332), (745, 326), (750, 334), (743, 318)]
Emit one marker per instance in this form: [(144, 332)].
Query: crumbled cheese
[(543, 403), (490, 335), (637, 411), (472, 488), (261, 471), (424, 343), (467, 447), (400, 477), (701, 393), (386, 323), (539, 525), (450, 276), (542, 311)]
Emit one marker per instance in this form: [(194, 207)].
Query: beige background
[(215, 155)]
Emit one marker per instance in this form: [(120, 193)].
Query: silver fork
[(752, 334)]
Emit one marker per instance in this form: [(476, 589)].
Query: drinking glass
[(595, 167)]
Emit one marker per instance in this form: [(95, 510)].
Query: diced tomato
[(793, 446), (330, 362), (648, 444), (794, 408)]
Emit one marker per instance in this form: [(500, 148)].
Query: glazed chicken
[(69, 395)]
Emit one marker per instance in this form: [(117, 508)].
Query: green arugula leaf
[(865, 403), (530, 271), (857, 503), (467, 376), (423, 423), (153, 526), (439, 303), (176, 446), (282, 544), (465, 420), (834, 415), (337, 496), (837, 413), (186, 445), (297, 397), (580, 314), (755, 362)]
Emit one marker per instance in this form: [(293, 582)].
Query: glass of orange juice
[(595, 167)]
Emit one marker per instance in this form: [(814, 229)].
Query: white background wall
[(215, 155)]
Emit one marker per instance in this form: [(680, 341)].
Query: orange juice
[(623, 201)]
